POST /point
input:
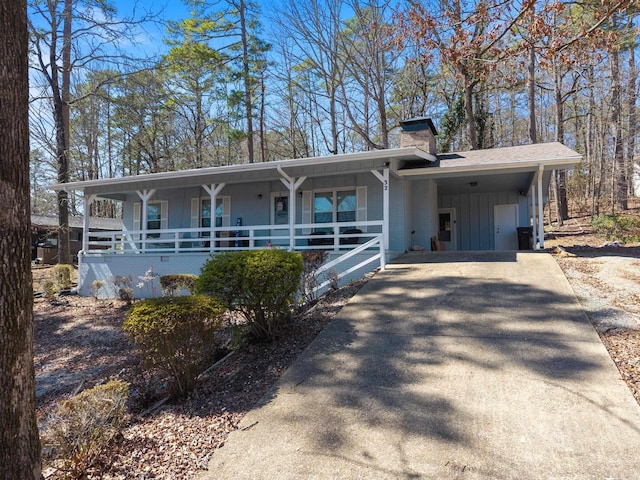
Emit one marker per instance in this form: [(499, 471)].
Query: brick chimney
[(419, 132)]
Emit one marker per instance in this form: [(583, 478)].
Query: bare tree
[(19, 443), (70, 36)]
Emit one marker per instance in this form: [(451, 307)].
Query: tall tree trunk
[(247, 79), (561, 175), (619, 194), (468, 107), (61, 107), (531, 89), (19, 443), (633, 117)]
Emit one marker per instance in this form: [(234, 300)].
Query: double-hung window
[(202, 215), (157, 216), (335, 206)]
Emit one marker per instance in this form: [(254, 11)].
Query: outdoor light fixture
[(473, 184), (259, 196)]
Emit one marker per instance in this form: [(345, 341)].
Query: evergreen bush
[(62, 276), (172, 284), (176, 335), (259, 284), (625, 228)]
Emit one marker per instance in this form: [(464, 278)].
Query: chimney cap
[(418, 123)]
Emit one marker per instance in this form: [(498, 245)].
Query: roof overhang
[(244, 173)]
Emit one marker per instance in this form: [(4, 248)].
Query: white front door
[(505, 223), (447, 227)]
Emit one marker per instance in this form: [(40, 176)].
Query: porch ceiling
[(484, 183)]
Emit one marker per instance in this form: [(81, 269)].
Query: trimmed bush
[(176, 335), (625, 228), (259, 284), (62, 276), (172, 284), (82, 426)]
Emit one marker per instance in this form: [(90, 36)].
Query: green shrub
[(82, 426), (62, 276), (625, 228), (176, 335), (259, 284), (172, 284)]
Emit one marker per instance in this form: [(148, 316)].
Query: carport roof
[(553, 155)]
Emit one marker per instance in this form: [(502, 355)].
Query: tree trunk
[(531, 84), (247, 79), (619, 194), (633, 118), (61, 111), (468, 106), (19, 443), (561, 176)]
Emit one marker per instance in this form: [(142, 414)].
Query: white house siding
[(474, 216)]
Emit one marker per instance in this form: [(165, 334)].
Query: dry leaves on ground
[(79, 343)]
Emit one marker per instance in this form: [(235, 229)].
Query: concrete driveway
[(451, 365)]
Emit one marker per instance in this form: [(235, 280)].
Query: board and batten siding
[(423, 219), (474, 216)]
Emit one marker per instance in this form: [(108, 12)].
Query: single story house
[(364, 208), (44, 235)]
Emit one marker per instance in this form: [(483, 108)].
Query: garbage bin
[(524, 238)]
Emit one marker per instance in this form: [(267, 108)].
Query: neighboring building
[(354, 205), (44, 235)]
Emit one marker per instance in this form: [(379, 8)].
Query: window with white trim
[(157, 216), (333, 206)]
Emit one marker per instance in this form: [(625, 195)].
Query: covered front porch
[(173, 221)]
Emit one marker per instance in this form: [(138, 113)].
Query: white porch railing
[(329, 236)]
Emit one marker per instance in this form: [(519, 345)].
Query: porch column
[(87, 201), (144, 195), (540, 207), (213, 190), (384, 178), (534, 218), (292, 185)]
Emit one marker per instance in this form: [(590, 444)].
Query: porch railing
[(354, 236)]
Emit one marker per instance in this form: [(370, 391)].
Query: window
[(205, 212), (201, 212), (335, 206), (154, 218), (157, 216)]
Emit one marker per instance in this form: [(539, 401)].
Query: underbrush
[(624, 228)]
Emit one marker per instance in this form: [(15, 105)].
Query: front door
[(505, 222), (447, 227)]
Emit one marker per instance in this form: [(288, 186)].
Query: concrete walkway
[(446, 366)]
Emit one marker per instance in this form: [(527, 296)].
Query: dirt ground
[(79, 344)]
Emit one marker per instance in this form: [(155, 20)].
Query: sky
[(173, 10)]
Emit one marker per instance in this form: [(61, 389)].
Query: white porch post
[(144, 195), (213, 190), (87, 201), (292, 185), (384, 178), (540, 208), (534, 218)]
